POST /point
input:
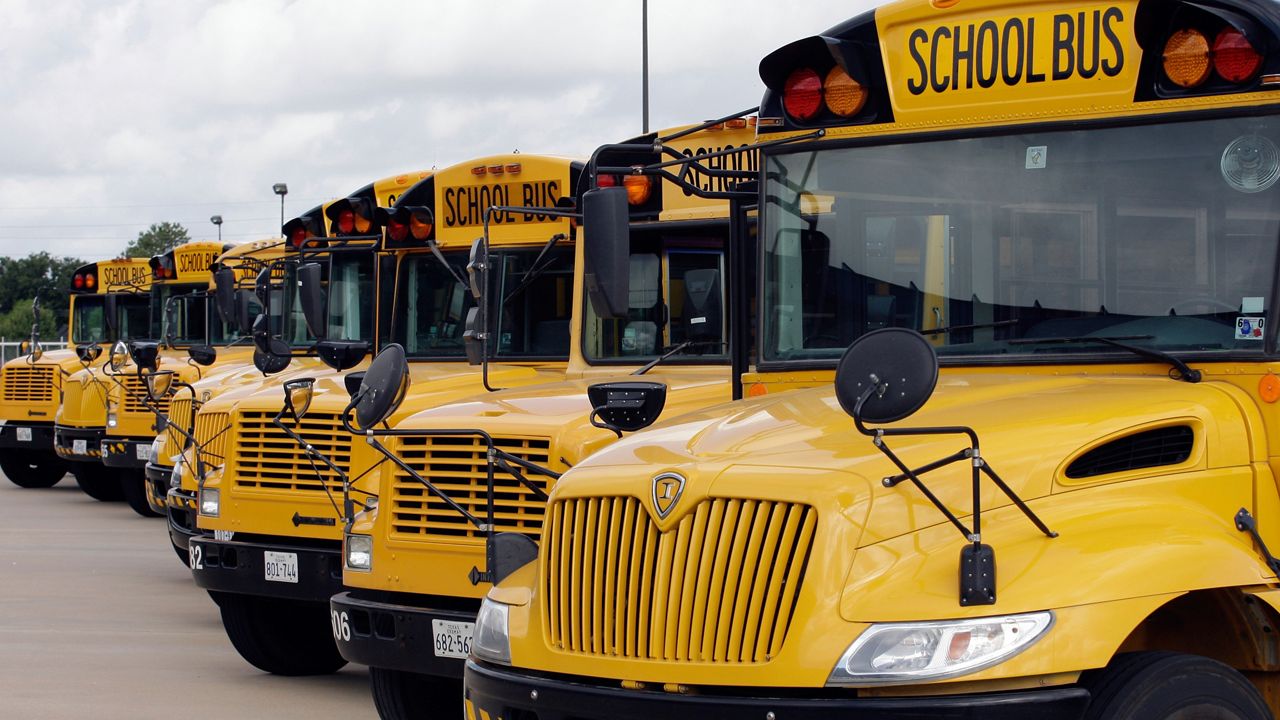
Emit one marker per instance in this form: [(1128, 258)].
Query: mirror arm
[(346, 511), (435, 250), (599, 422)]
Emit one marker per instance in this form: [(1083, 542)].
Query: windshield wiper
[(540, 264), (675, 351), (979, 326), (1185, 372)]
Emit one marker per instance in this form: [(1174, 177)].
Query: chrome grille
[(135, 396), (457, 466), (267, 459), (211, 434), (179, 417), (719, 587), (29, 384)]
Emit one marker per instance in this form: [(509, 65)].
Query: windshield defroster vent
[(1153, 448)]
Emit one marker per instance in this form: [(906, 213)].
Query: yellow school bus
[(31, 385), (412, 596), (270, 517), (1025, 255)]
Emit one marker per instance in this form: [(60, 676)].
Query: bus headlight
[(490, 640), (359, 552), (893, 653), (209, 502), (175, 475), (112, 419)]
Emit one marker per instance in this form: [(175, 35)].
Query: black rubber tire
[(282, 637), (1171, 686), (400, 695), (98, 481), (133, 484), (32, 468)]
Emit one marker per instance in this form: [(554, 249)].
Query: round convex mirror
[(900, 359), (383, 386)]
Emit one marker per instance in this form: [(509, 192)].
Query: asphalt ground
[(99, 619)]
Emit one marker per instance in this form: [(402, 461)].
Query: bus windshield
[(529, 314), (665, 265), (1163, 236)]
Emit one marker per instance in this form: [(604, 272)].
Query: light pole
[(281, 189), (644, 65), (217, 220)]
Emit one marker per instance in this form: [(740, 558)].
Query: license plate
[(80, 447), (24, 434), (280, 567), (452, 639), (142, 452)]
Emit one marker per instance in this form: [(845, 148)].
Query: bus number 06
[(341, 628)]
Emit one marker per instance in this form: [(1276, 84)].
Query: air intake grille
[(720, 587), (135, 396), (179, 417), (212, 429), (1153, 448), (29, 384), (267, 459), (456, 465)]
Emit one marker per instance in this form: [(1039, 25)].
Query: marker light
[(346, 222), (496, 169), (298, 237), (1186, 58), (397, 230), (420, 224), (802, 94), (1234, 57), (513, 168), (606, 181), (90, 281), (736, 123), (77, 282), (844, 95), (478, 170), (638, 188)]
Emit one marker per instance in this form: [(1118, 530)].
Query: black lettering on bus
[(1013, 77), (915, 87), (1064, 31), (962, 53), (1032, 75), (1113, 14), (450, 213), (938, 84), (1086, 62), (988, 43)]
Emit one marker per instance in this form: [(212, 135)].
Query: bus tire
[(98, 481), (282, 637), (32, 468), (134, 487), (1155, 685), (400, 695)]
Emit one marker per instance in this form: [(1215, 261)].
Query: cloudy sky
[(121, 114)]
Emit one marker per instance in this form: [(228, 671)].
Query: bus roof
[(130, 275), (187, 263)]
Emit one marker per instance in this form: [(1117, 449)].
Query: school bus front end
[(1039, 480)]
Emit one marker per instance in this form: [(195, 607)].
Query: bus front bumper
[(393, 636), (26, 436), (263, 569), (123, 452), (78, 444), (502, 694), (157, 486), (181, 512)]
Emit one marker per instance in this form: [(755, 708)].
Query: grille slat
[(211, 434), (135, 396), (29, 384), (719, 587), (179, 417), (268, 460), (457, 466), (1153, 448)]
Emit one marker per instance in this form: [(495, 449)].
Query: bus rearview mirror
[(472, 337), (109, 308), (476, 267), (311, 297), (224, 294), (606, 250)]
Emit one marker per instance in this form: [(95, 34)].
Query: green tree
[(159, 238), (16, 323), (37, 275)]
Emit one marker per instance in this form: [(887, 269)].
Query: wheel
[(98, 481), (1171, 686), (32, 468), (282, 637), (400, 695), (133, 485)]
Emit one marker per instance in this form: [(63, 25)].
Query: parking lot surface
[(98, 619)]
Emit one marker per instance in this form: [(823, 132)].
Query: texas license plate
[(452, 639), (24, 434), (142, 452), (280, 567), (80, 447)]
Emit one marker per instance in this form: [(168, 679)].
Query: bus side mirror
[(626, 406), (311, 296), (702, 307), (202, 354), (352, 382), (145, 355), (472, 340), (383, 387), (886, 375), (244, 311), (476, 267), (87, 352), (109, 308), (170, 320), (607, 250), (224, 294), (342, 354), (262, 287)]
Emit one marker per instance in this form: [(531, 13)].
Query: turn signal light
[(802, 94), (1186, 58), (77, 282), (639, 187), (1234, 57), (844, 95), (397, 230), (420, 224), (90, 281)]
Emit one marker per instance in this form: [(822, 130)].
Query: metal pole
[(644, 61)]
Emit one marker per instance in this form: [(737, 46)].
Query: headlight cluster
[(359, 552), (891, 653), (491, 640), (209, 502)]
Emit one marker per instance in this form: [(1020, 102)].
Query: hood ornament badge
[(667, 488)]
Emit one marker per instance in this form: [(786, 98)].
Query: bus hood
[(561, 411)]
